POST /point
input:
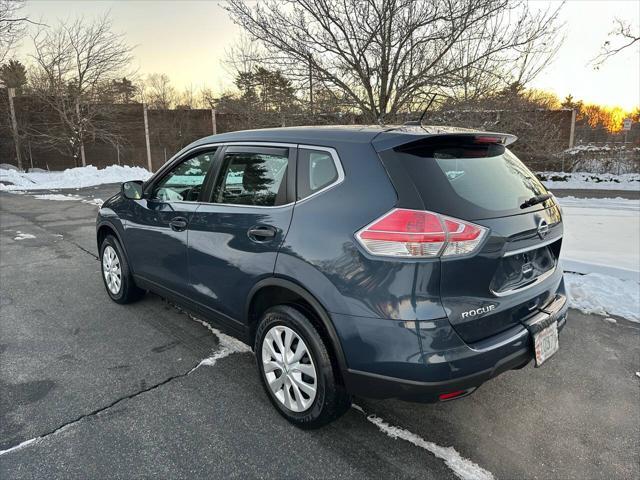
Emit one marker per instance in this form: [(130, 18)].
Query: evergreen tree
[(123, 90), (13, 74)]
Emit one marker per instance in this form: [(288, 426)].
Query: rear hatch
[(477, 179)]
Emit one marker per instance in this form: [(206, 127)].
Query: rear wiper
[(536, 200)]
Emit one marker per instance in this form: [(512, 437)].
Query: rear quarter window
[(316, 170)]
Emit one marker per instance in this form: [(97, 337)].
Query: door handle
[(178, 224), (261, 234)]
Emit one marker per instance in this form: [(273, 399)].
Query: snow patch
[(71, 178), (68, 197), (20, 446), (228, 345), (604, 295), (212, 359), (58, 197), (23, 236), (35, 440), (463, 468)]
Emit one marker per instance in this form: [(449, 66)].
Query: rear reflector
[(420, 234), (450, 395)]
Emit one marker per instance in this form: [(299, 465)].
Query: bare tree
[(530, 114), (12, 25), (624, 36), (207, 97), (387, 56), (491, 74), (75, 64), (158, 93), (188, 98), (243, 56)]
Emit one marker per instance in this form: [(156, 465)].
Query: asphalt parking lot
[(107, 391)]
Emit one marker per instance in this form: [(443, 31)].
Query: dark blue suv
[(411, 263)]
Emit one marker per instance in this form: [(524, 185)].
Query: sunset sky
[(187, 41)]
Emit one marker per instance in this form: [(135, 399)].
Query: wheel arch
[(107, 228), (319, 313)]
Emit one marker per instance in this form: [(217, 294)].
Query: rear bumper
[(423, 375)]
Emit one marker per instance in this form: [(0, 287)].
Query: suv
[(410, 263)]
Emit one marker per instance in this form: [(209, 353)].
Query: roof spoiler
[(450, 136)]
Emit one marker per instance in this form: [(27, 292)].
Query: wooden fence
[(542, 134)]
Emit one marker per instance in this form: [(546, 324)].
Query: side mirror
[(132, 190)]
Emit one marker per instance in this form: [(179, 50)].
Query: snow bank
[(604, 295), (590, 181), (599, 149), (70, 178)]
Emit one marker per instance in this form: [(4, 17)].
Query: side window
[(253, 177), (316, 170), (184, 182)]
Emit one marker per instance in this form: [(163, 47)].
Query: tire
[(293, 380), (118, 281)]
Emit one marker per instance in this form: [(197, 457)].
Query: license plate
[(546, 343)]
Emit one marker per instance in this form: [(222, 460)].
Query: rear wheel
[(296, 370), (116, 275)]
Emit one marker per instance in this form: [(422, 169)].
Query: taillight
[(420, 234)]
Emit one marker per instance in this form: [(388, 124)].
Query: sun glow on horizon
[(187, 41)]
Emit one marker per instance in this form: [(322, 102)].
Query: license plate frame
[(545, 343)]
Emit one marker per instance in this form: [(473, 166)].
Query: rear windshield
[(468, 181)]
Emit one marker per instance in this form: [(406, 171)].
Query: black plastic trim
[(225, 321), (373, 385)]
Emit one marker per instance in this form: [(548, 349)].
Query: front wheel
[(116, 275), (296, 370)]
